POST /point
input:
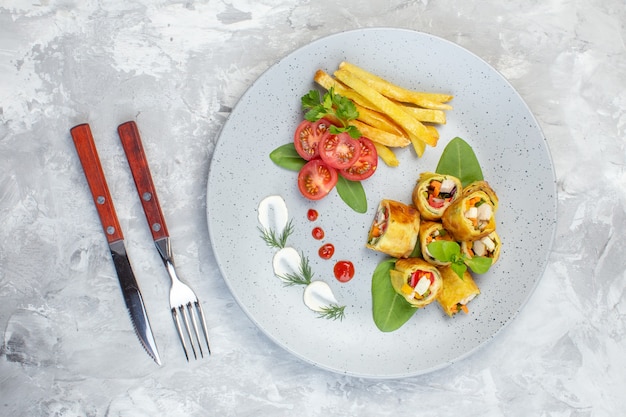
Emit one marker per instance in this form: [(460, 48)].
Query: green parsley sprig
[(332, 105)]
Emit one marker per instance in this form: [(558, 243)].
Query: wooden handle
[(86, 148), (131, 141)]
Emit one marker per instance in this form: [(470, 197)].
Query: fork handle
[(131, 142), (88, 155)]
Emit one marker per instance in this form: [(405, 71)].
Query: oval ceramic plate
[(488, 113)]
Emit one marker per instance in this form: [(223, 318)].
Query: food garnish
[(337, 108), (291, 266), (333, 312), (274, 240)]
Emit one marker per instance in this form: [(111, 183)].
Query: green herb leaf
[(352, 193), (458, 159), (286, 156), (459, 268), (333, 312), (417, 250), (479, 264), (310, 100), (389, 308), (335, 106), (276, 241), (303, 277), (444, 250)]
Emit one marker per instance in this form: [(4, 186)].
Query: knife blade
[(90, 161)]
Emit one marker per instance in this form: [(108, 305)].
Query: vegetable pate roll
[(394, 229), (416, 280), (456, 292), (470, 217), (430, 232), (482, 186), (433, 193), (488, 246)]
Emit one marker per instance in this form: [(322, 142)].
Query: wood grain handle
[(131, 141), (86, 148)]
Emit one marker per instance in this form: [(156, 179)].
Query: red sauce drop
[(318, 233), (344, 271), (327, 251), (311, 215)]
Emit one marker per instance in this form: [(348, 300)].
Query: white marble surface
[(178, 67)]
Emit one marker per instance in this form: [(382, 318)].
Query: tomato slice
[(339, 151), (307, 137), (419, 274), (435, 202), (366, 165), (316, 179)]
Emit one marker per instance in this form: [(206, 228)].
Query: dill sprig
[(333, 312), (303, 277), (274, 240)]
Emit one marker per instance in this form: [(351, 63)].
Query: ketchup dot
[(327, 251), (311, 215), (344, 271), (318, 233)]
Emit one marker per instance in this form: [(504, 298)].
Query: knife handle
[(86, 148), (131, 141)]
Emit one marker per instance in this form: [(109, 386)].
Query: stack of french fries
[(389, 115)]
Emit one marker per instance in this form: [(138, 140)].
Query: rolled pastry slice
[(482, 186), (416, 280), (394, 229), (433, 193), (430, 232), (488, 246), (456, 292), (470, 217)]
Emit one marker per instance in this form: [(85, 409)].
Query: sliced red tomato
[(435, 202), (366, 165), (316, 179), (307, 137), (339, 151), (419, 274)]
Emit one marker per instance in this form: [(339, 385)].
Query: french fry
[(433, 131), (386, 155), (426, 115), (380, 136), (378, 120), (388, 89), (327, 81), (414, 128)]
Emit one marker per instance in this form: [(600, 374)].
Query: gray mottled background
[(178, 68)]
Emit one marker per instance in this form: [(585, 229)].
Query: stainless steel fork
[(184, 305), (186, 309)]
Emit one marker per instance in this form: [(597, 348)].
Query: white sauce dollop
[(318, 296), (286, 262), (273, 214)]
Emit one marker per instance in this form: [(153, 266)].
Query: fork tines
[(189, 313)]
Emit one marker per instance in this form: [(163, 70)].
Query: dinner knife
[(86, 148)]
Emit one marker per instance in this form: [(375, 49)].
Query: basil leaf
[(459, 268), (389, 308), (479, 264), (417, 250), (286, 156), (443, 250), (352, 193), (459, 160)]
